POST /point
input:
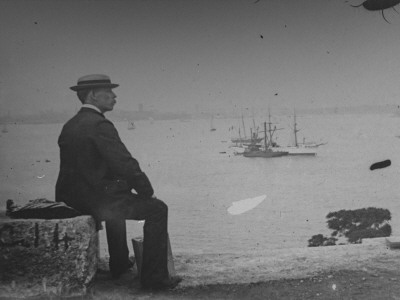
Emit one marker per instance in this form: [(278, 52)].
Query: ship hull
[(265, 154), (298, 151)]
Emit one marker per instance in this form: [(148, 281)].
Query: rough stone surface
[(276, 264), (47, 257)]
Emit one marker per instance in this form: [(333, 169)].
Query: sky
[(199, 55)]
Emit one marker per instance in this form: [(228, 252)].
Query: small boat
[(212, 128), (131, 125), (4, 130)]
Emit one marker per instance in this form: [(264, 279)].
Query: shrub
[(355, 225), (320, 240)]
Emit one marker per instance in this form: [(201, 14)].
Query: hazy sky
[(221, 54)]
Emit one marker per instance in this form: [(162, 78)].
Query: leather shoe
[(167, 284), (117, 274)]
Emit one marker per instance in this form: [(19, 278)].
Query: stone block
[(393, 242), (47, 257)]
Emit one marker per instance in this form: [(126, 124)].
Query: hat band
[(103, 81)]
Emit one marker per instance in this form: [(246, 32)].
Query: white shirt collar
[(92, 107)]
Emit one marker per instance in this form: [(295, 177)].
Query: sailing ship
[(297, 148), (253, 135), (257, 150)]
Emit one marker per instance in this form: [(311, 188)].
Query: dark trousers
[(155, 237)]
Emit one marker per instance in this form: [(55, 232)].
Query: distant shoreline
[(116, 117)]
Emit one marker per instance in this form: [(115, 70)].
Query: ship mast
[(244, 128), (295, 130), (265, 135), (270, 130)]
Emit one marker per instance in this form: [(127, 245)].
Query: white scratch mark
[(242, 206)]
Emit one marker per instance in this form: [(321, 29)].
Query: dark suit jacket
[(97, 172)]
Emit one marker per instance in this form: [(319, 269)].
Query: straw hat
[(93, 81)]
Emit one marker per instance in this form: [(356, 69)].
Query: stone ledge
[(53, 257), (276, 264), (392, 242)]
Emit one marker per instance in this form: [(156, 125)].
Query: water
[(194, 171)]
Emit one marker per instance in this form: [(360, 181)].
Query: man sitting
[(97, 175)]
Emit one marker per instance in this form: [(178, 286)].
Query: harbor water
[(194, 170)]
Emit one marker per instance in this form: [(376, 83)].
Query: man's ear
[(90, 97)]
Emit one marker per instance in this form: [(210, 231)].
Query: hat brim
[(81, 87)]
